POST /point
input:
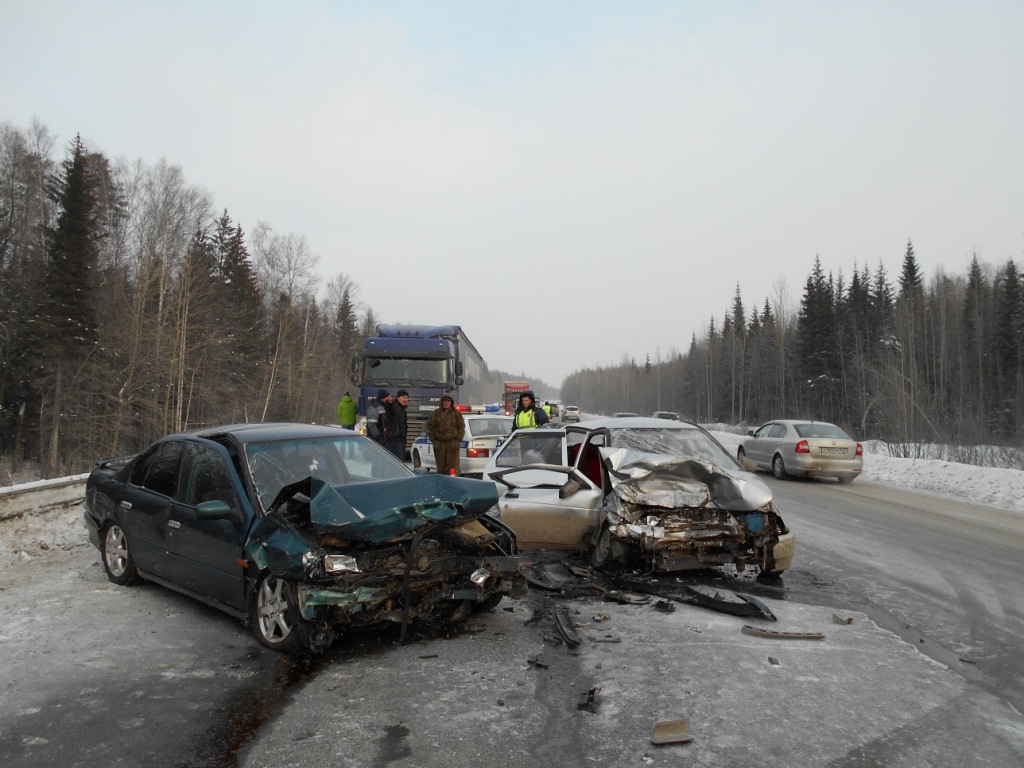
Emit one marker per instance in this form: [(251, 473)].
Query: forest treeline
[(130, 307), (921, 361)]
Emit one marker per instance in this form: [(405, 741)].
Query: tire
[(740, 454), (117, 559), (275, 615), (416, 462), (779, 469), (601, 553)]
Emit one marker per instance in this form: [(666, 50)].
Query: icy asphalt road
[(95, 674)]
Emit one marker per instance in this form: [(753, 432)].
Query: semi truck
[(426, 361), (510, 397)]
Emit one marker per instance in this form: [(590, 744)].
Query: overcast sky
[(574, 183)]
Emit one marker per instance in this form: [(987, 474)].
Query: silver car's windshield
[(336, 460), (688, 442)]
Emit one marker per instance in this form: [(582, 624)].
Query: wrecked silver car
[(638, 491), (300, 531)]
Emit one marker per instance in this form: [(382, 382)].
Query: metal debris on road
[(671, 732), (775, 634)]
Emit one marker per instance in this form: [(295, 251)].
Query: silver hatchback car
[(791, 447)]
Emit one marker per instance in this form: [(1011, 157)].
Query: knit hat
[(383, 394), (447, 397), (402, 392)]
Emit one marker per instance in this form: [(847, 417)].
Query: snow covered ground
[(33, 535), (1002, 488)]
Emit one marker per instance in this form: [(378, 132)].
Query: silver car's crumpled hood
[(657, 480)]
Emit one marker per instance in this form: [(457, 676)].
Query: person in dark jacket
[(375, 416), (528, 415), (446, 428), (396, 425)]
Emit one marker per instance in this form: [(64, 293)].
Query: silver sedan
[(790, 447)]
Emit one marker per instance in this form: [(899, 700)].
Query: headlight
[(480, 576), (340, 564)]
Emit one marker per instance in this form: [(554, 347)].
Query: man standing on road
[(348, 411), (375, 416), (528, 415), (396, 425), (445, 428)]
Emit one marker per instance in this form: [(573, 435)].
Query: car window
[(777, 430), (821, 430), (490, 426), (687, 442), (531, 446), (764, 431), (335, 460), (205, 477), (157, 471)]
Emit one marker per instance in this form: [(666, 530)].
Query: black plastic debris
[(665, 606), (588, 700), (567, 628), (743, 605)]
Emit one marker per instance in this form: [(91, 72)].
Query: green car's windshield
[(335, 460)]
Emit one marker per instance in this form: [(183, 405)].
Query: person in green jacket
[(348, 412)]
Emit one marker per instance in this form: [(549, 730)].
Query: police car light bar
[(493, 408)]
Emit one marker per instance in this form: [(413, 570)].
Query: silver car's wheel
[(779, 469), (601, 554), (117, 560), (275, 619)]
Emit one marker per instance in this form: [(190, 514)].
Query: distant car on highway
[(571, 413), (298, 530), (625, 415), (670, 415), (484, 433), (661, 495), (799, 448)]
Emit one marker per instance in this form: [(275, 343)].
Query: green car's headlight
[(340, 564)]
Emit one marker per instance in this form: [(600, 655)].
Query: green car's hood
[(381, 510)]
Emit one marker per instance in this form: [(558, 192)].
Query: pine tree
[(66, 323)]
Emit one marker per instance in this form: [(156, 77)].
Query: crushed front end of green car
[(396, 551)]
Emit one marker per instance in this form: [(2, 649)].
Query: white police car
[(485, 431)]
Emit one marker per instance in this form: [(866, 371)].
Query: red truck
[(513, 389)]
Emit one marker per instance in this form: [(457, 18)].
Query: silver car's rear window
[(820, 430)]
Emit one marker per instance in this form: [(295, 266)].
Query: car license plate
[(828, 449)]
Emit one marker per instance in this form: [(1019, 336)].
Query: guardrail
[(42, 496)]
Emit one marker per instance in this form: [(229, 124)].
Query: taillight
[(463, 408), (802, 447), (478, 453), (860, 449)]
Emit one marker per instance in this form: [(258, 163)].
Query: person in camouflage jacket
[(445, 428)]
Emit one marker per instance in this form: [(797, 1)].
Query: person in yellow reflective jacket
[(528, 415)]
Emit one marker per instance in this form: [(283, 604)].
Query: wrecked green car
[(300, 531)]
